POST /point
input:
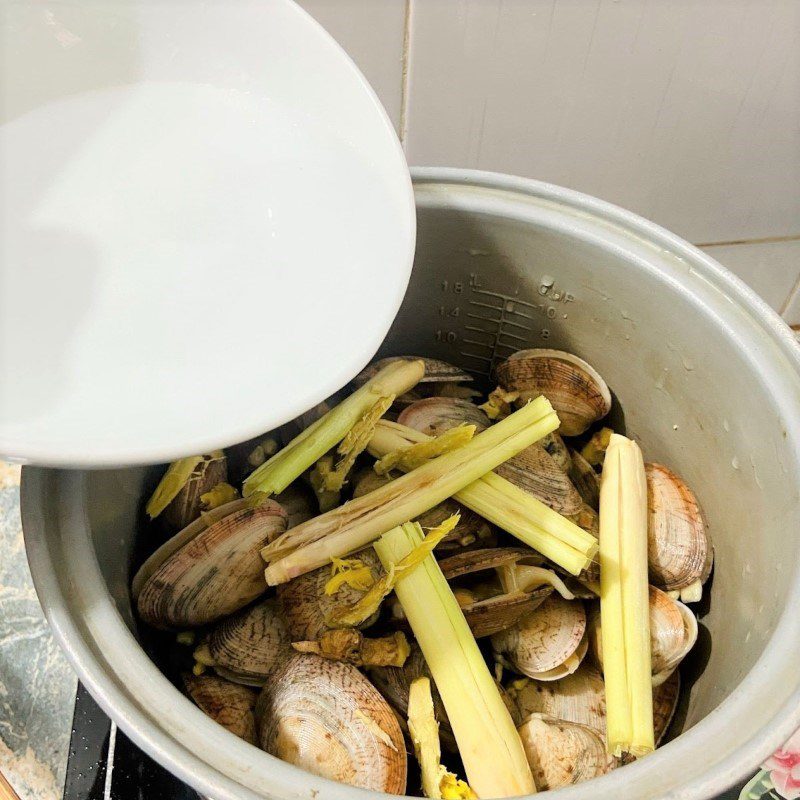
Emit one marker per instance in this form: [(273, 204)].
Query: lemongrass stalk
[(357, 523), (636, 595), (275, 474), (506, 505), (488, 742), (624, 600), (173, 480), (424, 732)]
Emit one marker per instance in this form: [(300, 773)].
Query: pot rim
[(122, 678)]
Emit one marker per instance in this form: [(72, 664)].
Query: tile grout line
[(765, 240), (792, 294), (404, 73)]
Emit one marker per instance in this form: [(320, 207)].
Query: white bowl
[(207, 225)]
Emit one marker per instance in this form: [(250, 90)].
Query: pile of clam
[(266, 665)]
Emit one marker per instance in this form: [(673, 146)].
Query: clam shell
[(185, 506), (172, 545), (562, 753), (251, 643), (555, 446), (585, 480), (435, 415), (228, 704), (305, 605), (394, 684), (673, 633), (494, 614), (217, 572), (544, 639), (327, 718), (536, 471), (436, 371), (578, 393), (581, 698), (679, 551)]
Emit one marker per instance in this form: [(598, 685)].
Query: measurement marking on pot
[(497, 312)]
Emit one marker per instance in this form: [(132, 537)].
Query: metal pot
[(708, 379)]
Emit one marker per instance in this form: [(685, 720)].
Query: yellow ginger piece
[(350, 571), (369, 603), (354, 443), (327, 498), (351, 646), (218, 495), (452, 788), (499, 403), (594, 451), (409, 458)]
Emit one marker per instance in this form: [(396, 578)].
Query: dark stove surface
[(104, 764)]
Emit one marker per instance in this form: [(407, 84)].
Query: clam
[(185, 507), (538, 473), (228, 704), (172, 545), (306, 607), (394, 684), (547, 643), (472, 530), (435, 415), (585, 479), (326, 717), (578, 393), (679, 552), (561, 753), (215, 573), (248, 646), (581, 698), (487, 605), (555, 446), (673, 633)]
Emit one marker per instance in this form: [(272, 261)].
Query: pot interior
[(696, 380)]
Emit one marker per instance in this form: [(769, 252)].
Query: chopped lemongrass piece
[(487, 739), (351, 572), (274, 475), (354, 648), (506, 505), (175, 478), (499, 403), (355, 443), (262, 451), (408, 458), (594, 451), (624, 600), (218, 496), (369, 603), (359, 522), (424, 731)]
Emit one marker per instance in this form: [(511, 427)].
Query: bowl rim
[(67, 577)]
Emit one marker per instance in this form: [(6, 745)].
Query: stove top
[(104, 764)]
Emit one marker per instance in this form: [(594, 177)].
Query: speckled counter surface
[(37, 686)]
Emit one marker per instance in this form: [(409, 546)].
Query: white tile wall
[(771, 268), (372, 32), (686, 112)]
